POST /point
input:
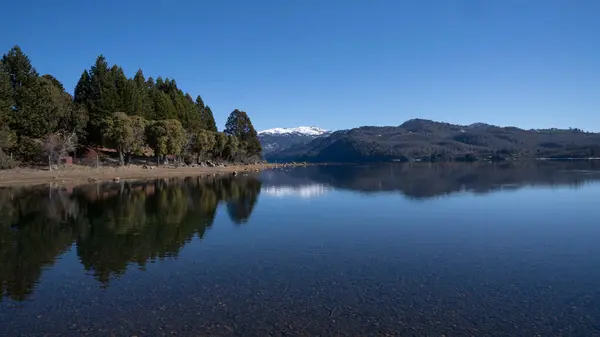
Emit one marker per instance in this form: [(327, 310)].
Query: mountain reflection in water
[(428, 180), (403, 249)]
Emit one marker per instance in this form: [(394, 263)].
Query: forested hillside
[(138, 116), (425, 140)]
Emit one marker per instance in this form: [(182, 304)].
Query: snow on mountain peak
[(305, 130)]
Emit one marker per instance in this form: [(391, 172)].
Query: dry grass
[(82, 174)]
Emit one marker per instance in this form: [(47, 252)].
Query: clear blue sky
[(337, 63)]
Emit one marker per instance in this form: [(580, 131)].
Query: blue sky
[(337, 63)]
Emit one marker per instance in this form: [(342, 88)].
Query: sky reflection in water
[(422, 249)]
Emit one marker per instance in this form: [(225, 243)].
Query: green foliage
[(7, 136), (166, 137), (220, 144), (208, 119), (143, 102), (37, 113), (6, 162), (231, 148), (176, 136), (19, 67), (205, 115), (83, 89), (34, 108), (204, 142), (71, 117), (163, 106), (239, 125), (125, 133), (30, 149), (156, 136)]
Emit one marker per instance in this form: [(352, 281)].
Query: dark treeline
[(112, 226), (138, 116)]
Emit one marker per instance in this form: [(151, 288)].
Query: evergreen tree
[(143, 103), (163, 106), (103, 100), (83, 89), (70, 116), (206, 117), (209, 120), (239, 125), (122, 94), (7, 136), (199, 103), (35, 111), (21, 72), (33, 104), (192, 120)]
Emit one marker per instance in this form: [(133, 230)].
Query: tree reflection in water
[(112, 225)]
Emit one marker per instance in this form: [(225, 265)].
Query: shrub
[(7, 162)]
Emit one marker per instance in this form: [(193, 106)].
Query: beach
[(76, 174)]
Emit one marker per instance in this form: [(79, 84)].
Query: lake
[(423, 249)]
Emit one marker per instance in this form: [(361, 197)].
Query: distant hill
[(426, 140), (278, 139)]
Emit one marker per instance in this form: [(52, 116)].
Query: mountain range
[(426, 140), (279, 139)]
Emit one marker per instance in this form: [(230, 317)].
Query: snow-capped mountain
[(301, 130), (280, 138)]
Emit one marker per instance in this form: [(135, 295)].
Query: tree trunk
[(121, 157)]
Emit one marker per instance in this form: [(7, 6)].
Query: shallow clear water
[(339, 250)]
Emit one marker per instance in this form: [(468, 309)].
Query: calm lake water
[(436, 250)]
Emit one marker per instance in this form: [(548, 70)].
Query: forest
[(40, 122)]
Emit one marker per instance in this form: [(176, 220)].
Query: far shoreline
[(78, 175)]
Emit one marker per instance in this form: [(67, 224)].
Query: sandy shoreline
[(82, 174)]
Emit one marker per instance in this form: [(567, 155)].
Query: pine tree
[(209, 120), (83, 89), (104, 99), (163, 106), (122, 95), (239, 125), (18, 66), (7, 101), (143, 103), (72, 117), (7, 136), (34, 109), (199, 103)]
